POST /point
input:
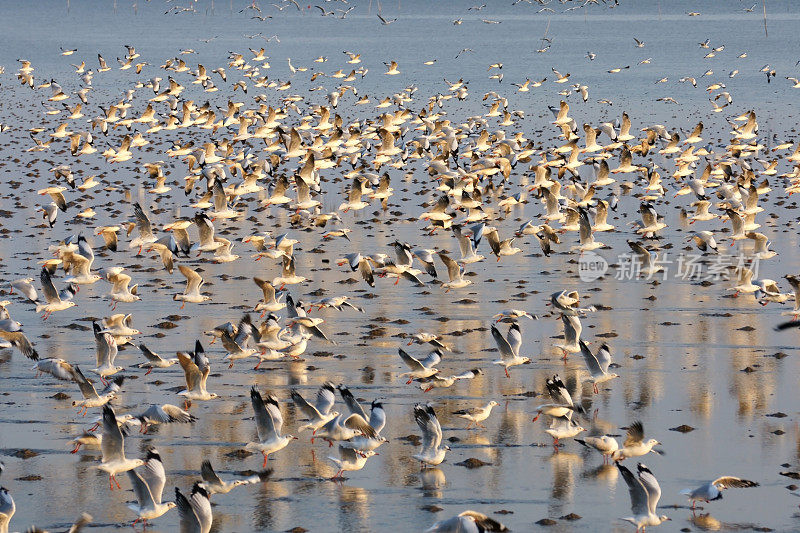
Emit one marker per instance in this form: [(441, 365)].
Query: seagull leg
[(266, 455), (506, 369), (469, 425), (397, 280), (110, 483), (117, 482), (258, 365), (330, 443), (184, 305), (148, 372), (77, 447), (535, 418), (409, 381), (595, 388), (94, 427), (230, 365), (428, 389)]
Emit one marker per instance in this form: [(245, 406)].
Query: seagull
[(635, 445), (196, 369), (420, 368), (91, 398), (214, 485), (7, 508), (51, 296), (269, 422), (454, 272), (562, 427), (146, 235), (512, 315), (148, 487), (432, 452), (438, 381), (350, 460), (597, 364), (645, 493), (195, 512), (794, 281), (604, 444), (113, 446), (154, 360), (192, 291), (345, 428), (572, 334), (269, 303), (509, 347), (476, 415), (712, 490), (164, 414), (105, 353), (377, 421), (321, 412), (467, 522), (562, 405), (425, 337)]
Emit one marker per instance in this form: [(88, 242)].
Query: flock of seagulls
[(262, 167)]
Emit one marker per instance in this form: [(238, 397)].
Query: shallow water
[(690, 371)]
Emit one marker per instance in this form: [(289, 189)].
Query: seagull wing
[(411, 362), (113, 444), (637, 491), (351, 402), (154, 475), (635, 434), (733, 482), (141, 490), (506, 351), (264, 423)]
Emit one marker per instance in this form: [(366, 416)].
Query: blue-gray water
[(691, 371)]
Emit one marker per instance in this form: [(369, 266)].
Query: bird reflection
[(564, 465), (298, 375), (706, 522), (605, 473), (353, 509), (432, 482)]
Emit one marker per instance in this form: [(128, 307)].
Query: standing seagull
[(712, 490), (113, 447), (509, 347), (195, 511), (645, 493), (148, 487), (269, 422), (432, 452)]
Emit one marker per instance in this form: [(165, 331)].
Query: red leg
[(148, 372), (507, 373), (265, 460)]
